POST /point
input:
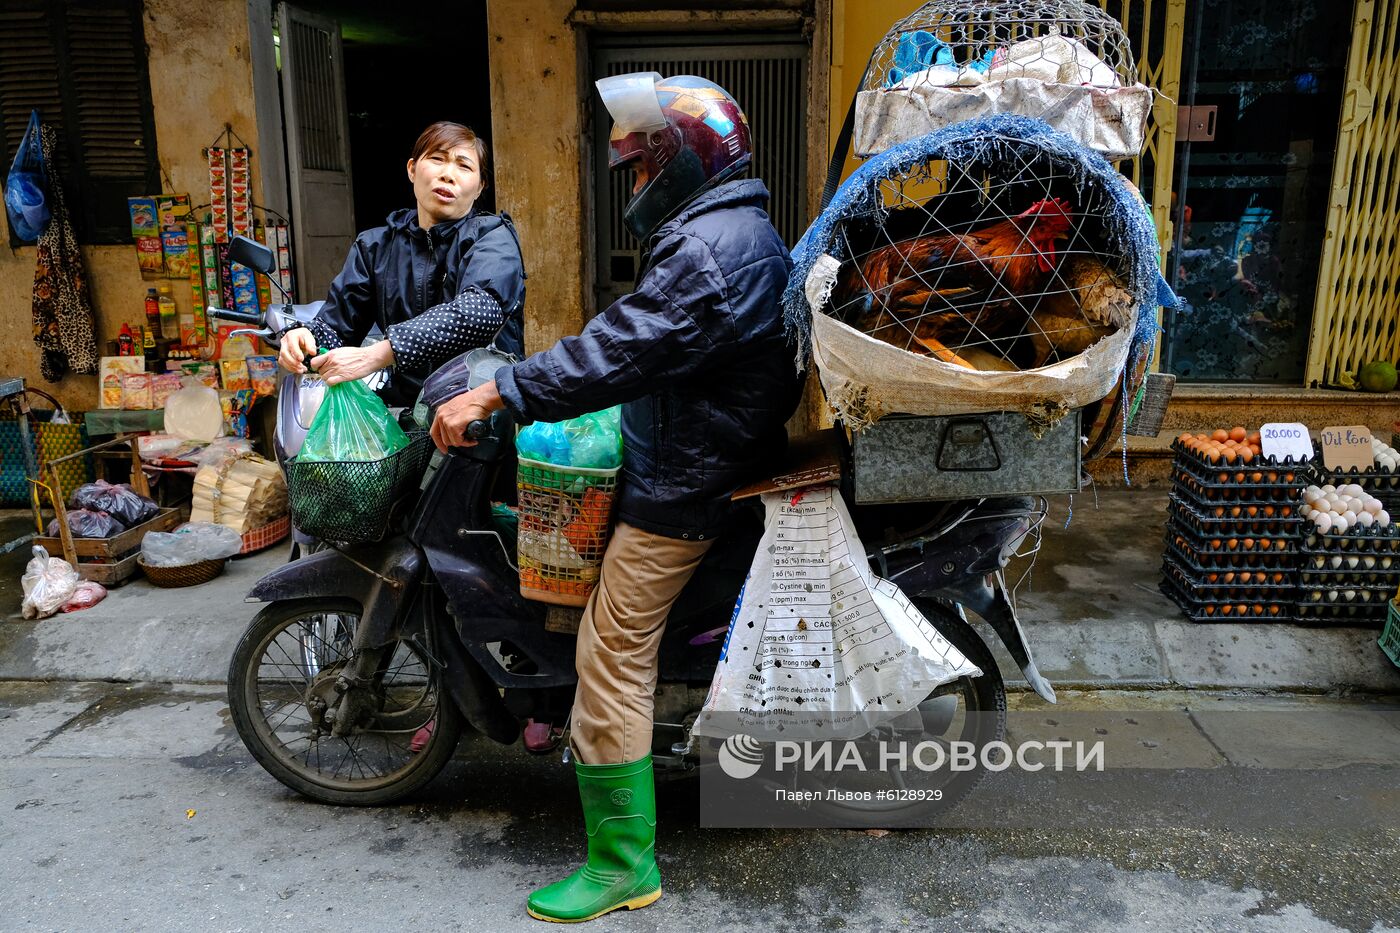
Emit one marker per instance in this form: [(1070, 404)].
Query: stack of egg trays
[(1378, 481), (1233, 533), (1349, 579)]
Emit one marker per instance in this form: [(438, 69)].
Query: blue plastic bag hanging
[(26, 188), (593, 441)]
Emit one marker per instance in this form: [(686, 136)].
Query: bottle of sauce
[(126, 343), (148, 345), (169, 314), (152, 310)]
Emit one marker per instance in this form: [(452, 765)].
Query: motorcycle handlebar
[(235, 317), (478, 429)]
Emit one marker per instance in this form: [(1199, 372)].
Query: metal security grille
[(317, 90), (1357, 315), (766, 74)]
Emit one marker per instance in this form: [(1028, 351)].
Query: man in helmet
[(698, 358)]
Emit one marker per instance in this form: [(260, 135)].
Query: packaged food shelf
[(1213, 519)]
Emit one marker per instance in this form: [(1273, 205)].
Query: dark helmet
[(688, 133)]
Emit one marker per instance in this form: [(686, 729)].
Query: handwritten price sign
[(1285, 440), (1346, 447)]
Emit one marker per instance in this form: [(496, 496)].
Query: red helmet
[(688, 133)]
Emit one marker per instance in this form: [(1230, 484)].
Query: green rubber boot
[(619, 813)]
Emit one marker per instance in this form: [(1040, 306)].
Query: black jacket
[(697, 354), (435, 293)]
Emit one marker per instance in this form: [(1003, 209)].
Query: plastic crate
[(1390, 635), (352, 501), (565, 516)]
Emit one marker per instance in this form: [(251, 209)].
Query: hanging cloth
[(63, 319)]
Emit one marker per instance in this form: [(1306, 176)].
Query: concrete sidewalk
[(1091, 610)]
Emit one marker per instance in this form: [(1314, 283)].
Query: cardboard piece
[(1347, 446)]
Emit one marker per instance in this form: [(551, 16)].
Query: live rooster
[(956, 289)]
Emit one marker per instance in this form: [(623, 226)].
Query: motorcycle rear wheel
[(295, 645)]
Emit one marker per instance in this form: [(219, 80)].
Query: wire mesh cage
[(1065, 61), (565, 518), (1020, 266), (1064, 41)]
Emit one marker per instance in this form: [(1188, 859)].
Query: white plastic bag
[(191, 543), (820, 647), (88, 594), (194, 412), (48, 583)]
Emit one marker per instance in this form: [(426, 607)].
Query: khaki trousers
[(618, 641)]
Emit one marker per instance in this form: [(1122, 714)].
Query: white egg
[(1323, 522), (1365, 519), (1365, 596), (1340, 524), (1319, 562), (1312, 492), (1336, 561), (1331, 596), (1368, 562), (1383, 518), (1352, 561), (1349, 595), (1329, 488), (1350, 517), (1352, 489), (1373, 506), (1385, 563), (1317, 596)]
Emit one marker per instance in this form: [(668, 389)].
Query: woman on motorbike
[(438, 279)]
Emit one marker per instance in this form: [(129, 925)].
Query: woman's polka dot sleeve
[(446, 330)]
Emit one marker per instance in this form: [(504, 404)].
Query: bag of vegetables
[(352, 424)]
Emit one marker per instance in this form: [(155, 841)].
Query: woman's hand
[(453, 416), (297, 345), (346, 364)]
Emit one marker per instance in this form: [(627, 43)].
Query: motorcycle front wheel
[(282, 681)]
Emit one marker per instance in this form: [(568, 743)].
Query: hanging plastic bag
[(87, 594), (352, 424), (48, 583), (119, 500), (26, 188), (819, 646), (88, 523)]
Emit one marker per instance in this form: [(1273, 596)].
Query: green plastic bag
[(352, 424)]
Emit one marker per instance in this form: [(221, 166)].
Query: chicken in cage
[(999, 264)]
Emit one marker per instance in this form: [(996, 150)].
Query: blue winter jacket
[(698, 357), (435, 293)]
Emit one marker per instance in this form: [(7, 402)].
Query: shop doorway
[(1251, 204), (356, 82)]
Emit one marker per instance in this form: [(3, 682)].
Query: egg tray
[(1188, 513), (1312, 576), (1209, 561), (1377, 480), (1361, 541), (1245, 492), (1199, 610), (1355, 612), (1196, 584), (1243, 544), (1196, 464)]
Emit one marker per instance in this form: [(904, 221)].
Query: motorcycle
[(356, 680)]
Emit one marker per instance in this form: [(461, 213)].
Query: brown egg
[(1280, 544), (1252, 511), (1233, 544), (1212, 577), (1228, 577), (1241, 609), (1220, 436), (1227, 609), (1210, 609), (1247, 544), (1246, 455), (1273, 609), (1257, 609)]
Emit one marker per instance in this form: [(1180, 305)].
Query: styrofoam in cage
[(1066, 62)]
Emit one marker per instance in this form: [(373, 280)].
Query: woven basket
[(188, 575)]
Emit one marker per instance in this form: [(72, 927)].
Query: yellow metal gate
[(1356, 318)]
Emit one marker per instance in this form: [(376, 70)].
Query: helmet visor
[(632, 103)]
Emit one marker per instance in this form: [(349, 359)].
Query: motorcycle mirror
[(252, 254)]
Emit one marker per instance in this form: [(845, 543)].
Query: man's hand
[(297, 345), (346, 364), (453, 416)]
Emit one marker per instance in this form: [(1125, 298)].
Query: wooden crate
[(111, 560)]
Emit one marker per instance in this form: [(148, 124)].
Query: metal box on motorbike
[(983, 292)]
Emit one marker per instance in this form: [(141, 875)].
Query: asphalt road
[(136, 808)]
